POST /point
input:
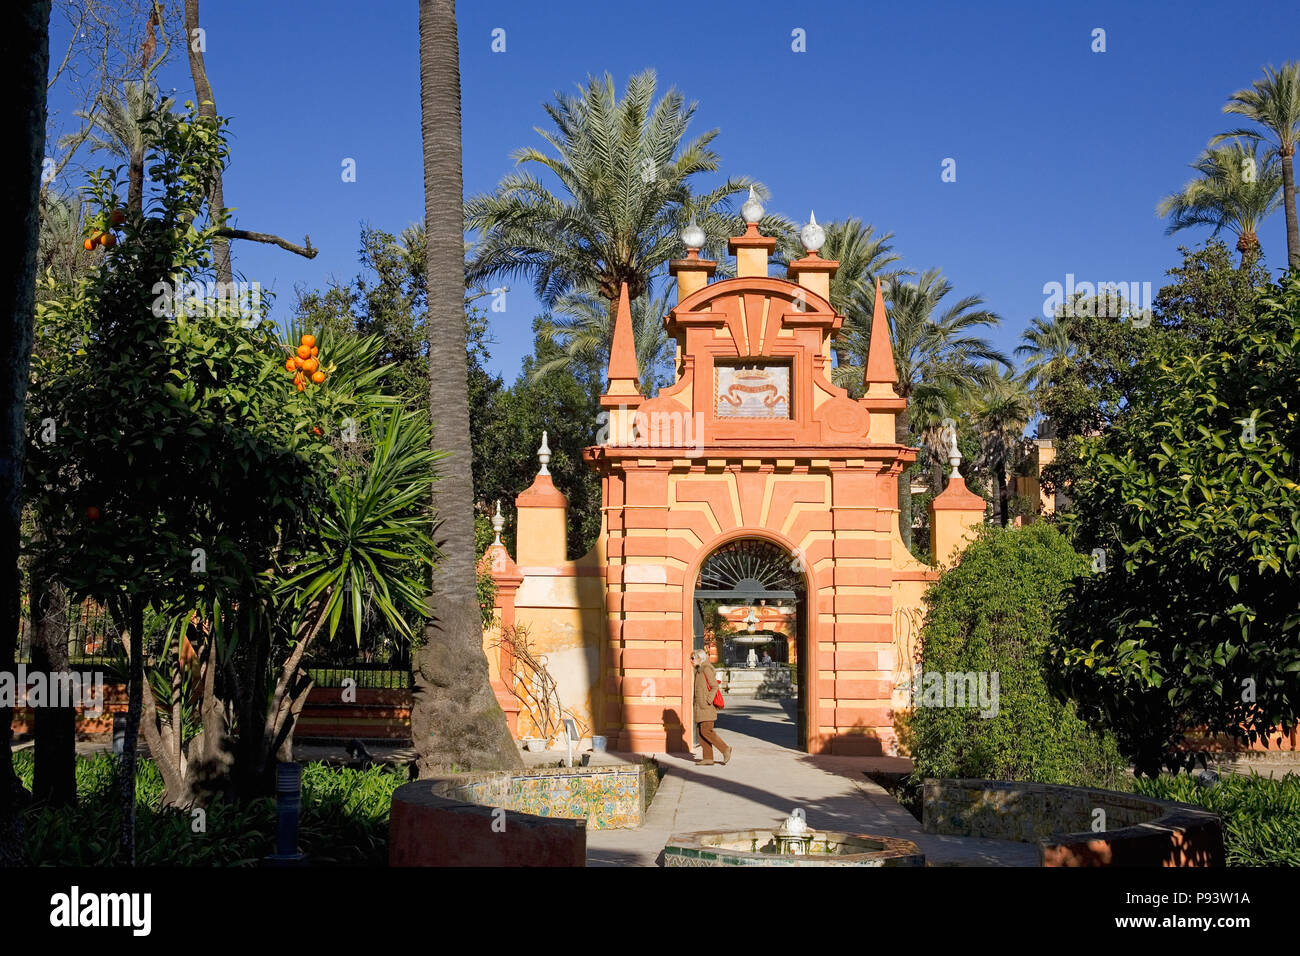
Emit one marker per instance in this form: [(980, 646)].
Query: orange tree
[(170, 454)]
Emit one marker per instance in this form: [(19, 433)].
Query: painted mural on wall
[(753, 391)]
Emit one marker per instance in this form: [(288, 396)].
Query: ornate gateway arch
[(752, 441)]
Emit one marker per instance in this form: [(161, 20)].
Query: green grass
[(1261, 815), (344, 820)]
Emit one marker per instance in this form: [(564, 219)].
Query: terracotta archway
[(805, 622)]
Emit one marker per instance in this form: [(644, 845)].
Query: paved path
[(765, 780)]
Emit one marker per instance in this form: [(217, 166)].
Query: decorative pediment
[(759, 314)]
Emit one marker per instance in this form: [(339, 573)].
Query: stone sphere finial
[(498, 522), (813, 235), (544, 456), (752, 211)]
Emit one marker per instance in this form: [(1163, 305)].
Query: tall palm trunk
[(901, 428), (1249, 248), (25, 55), (135, 183), (1004, 502), (208, 110), (1288, 206), (455, 718)]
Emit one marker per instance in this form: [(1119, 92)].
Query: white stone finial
[(813, 235), (752, 211), (498, 522), (948, 435), (544, 456), (693, 236)]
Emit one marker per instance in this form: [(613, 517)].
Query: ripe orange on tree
[(308, 340), (318, 376), (89, 244), (108, 240), (310, 365), (117, 217)]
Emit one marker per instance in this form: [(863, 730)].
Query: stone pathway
[(765, 780)]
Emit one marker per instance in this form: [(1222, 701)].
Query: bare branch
[(306, 251)]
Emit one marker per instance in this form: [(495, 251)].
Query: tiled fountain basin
[(758, 848)]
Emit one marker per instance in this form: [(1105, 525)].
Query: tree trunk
[(135, 184), (25, 53), (132, 618), (455, 718), (207, 109), (1000, 477), (55, 780), (1288, 206), (901, 427)]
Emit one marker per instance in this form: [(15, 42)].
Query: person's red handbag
[(718, 702)]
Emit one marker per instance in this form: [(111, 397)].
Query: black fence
[(379, 663), (91, 635), (93, 642)]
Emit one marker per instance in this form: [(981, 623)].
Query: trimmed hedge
[(992, 614)]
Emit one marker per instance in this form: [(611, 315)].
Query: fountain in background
[(794, 843)]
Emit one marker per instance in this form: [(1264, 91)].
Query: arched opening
[(750, 616)]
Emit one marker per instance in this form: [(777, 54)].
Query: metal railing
[(91, 635)]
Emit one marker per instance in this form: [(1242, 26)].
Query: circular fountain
[(792, 844)]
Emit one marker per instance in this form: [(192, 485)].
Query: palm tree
[(455, 718), (932, 402), (625, 194), (1002, 409), (580, 323), (1274, 103), (1236, 189), (940, 348), (1047, 348), (117, 118)]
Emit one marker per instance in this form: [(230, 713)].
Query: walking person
[(706, 688)]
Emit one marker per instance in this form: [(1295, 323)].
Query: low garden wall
[(607, 798), (536, 817), (1135, 830)]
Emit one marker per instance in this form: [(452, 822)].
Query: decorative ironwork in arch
[(751, 565)]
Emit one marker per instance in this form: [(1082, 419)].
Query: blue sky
[(1061, 153)]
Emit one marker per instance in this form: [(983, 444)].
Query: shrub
[(1261, 815), (344, 820), (992, 615)]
